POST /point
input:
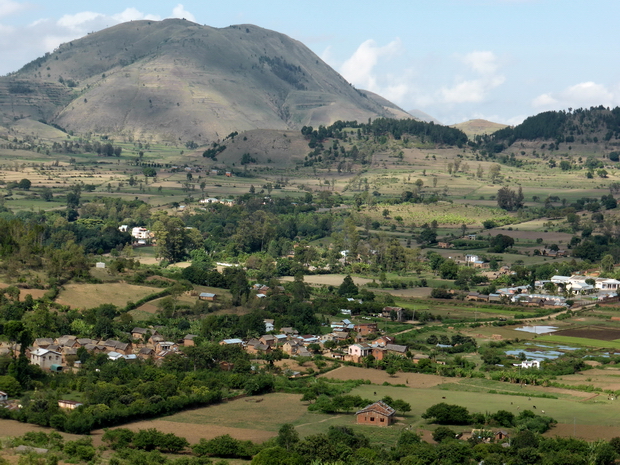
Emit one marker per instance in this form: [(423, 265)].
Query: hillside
[(580, 126), (476, 127), (419, 114), (175, 80)]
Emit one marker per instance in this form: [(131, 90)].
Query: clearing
[(93, 295)]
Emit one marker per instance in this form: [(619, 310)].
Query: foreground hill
[(175, 80)]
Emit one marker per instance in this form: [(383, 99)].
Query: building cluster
[(55, 354), (576, 285), (365, 337), (213, 200)]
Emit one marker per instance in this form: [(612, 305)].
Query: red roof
[(379, 407)]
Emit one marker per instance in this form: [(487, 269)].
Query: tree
[(442, 433), (287, 436), (449, 269), (348, 287), (446, 414), (501, 242), (24, 184), (46, 194), (607, 263), (494, 171), (173, 240), (508, 199)]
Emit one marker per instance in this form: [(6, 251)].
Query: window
[(381, 420), (372, 418)]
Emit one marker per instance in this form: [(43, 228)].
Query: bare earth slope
[(174, 79), (477, 127)]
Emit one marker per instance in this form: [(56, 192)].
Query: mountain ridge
[(176, 80)]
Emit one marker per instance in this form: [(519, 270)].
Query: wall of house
[(370, 418)]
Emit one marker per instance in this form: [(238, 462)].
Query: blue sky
[(501, 60)]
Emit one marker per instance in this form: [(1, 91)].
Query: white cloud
[(327, 56), (9, 7), (584, 94), (180, 12), (474, 90), (76, 22), (19, 44), (132, 14), (481, 62), (360, 68)]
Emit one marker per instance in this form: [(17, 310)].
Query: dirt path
[(406, 330), (320, 421)]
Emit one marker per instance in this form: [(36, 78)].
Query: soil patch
[(602, 333), (414, 380), (12, 428), (35, 293)]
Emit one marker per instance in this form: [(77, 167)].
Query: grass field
[(92, 295)]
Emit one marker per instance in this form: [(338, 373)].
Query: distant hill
[(177, 81), (477, 127), (419, 114)]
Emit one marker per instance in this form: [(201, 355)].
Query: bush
[(442, 433)]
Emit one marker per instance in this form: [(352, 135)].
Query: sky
[(500, 60)]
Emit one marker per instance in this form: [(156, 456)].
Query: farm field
[(580, 341), (93, 295), (259, 418), (328, 279), (607, 378), (602, 333)]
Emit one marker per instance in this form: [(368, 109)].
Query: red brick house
[(364, 329), (379, 413)]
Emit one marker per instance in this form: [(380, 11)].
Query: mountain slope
[(419, 114), (176, 80)]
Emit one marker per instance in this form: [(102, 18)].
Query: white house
[(528, 364), (45, 358), (607, 284), (140, 233)]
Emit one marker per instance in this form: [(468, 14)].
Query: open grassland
[(598, 411), (445, 213), (92, 295), (264, 413)]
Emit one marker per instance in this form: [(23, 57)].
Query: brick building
[(379, 413)]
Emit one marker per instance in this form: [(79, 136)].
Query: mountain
[(477, 127), (419, 114), (177, 81)]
